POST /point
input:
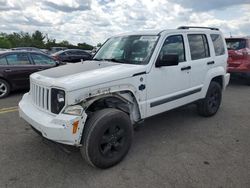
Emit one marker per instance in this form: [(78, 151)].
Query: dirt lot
[(175, 149)]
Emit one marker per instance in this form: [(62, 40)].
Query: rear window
[(218, 44), (236, 44), (198, 46)]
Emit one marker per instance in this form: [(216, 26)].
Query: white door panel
[(166, 82)]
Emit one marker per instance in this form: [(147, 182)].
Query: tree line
[(36, 39)]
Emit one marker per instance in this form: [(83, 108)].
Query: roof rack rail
[(191, 27)]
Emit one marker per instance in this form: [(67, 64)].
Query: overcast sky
[(92, 21)]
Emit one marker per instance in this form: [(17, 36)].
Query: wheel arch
[(10, 84), (123, 100), (217, 75)]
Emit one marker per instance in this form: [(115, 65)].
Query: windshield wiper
[(96, 59), (114, 60), (110, 59)]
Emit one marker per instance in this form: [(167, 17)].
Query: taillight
[(244, 52)]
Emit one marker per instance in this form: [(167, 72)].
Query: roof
[(20, 51), (183, 29)]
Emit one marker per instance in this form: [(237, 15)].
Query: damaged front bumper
[(61, 128)]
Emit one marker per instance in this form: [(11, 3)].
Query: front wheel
[(210, 104), (107, 138)]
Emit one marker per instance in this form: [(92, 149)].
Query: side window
[(71, 53), (218, 44), (80, 53), (18, 59), (42, 60), (173, 45), (3, 61), (198, 46)]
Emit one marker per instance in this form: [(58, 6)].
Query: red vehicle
[(239, 57)]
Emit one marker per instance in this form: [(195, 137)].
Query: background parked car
[(16, 67), (71, 55), (239, 57), (56, 49)]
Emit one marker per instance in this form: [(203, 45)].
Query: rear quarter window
[(219, 48), (40, 59)]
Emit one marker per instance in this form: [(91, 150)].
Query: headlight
[(74, 110), (57, 100)]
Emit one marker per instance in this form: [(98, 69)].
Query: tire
[(4, 88), (210, 104), (107, 138)]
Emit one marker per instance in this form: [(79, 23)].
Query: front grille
[(40, 96)]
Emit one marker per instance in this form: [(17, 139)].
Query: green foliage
[(85, 46), (4, 43), (36, 39)]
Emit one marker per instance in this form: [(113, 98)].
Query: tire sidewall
[(8, 88), (98, 128), (213, 86)]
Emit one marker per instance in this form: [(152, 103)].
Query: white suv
[(94, 104)]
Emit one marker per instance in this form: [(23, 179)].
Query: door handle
[(7, 70), (210, 63), (186, 68)]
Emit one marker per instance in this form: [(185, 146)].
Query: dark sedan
[(16, 67), (71, 55)]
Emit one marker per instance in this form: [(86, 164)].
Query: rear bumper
[(240, 74), (58, 128), (238, 70)]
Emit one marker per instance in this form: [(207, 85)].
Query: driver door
[(167, 86)]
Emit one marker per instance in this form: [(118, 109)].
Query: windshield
[(134, 49), (235, 44)]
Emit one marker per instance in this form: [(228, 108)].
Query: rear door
[(200, 59), (18, 69)]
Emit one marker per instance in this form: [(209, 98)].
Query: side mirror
[(168, 60)]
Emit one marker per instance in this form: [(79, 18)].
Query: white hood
[(85, 74)]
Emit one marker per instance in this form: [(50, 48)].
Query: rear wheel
[(4, 88), (211, 103), (107, 138)]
